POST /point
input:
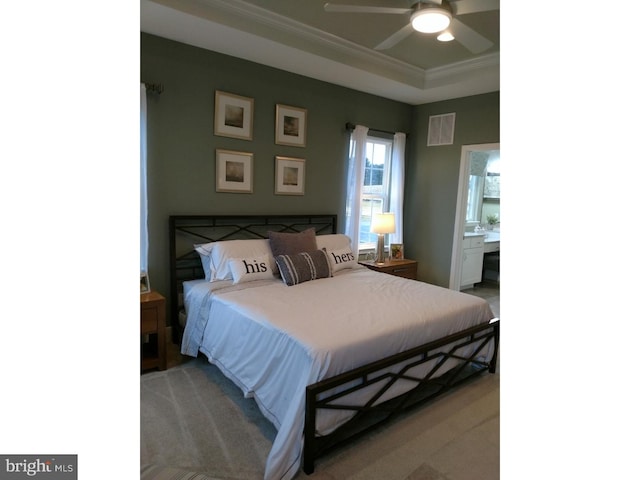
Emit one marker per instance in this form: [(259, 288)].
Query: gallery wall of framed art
[(233, 118)]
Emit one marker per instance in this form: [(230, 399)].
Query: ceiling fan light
[(431, 20), (446, 37)]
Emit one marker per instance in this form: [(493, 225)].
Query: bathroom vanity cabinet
[(472, 257)]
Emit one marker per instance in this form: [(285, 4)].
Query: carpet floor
[(195, 424)]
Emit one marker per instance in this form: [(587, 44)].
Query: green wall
[(181, 148), (431, 185), (181, 144)]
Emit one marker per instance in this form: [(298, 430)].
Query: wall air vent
[(441, 129)]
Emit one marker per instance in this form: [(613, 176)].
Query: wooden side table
[(152, 323), (400, 268)]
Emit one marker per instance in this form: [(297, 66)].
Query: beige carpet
[(195, 424), (157, 472)]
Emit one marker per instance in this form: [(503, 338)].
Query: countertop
[(489, 236)]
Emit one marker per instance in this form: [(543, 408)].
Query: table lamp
[(382, 223)]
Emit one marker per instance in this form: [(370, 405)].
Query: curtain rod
[(154, 87), (350, 126)]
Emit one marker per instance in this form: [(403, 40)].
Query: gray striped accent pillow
[(304, 266)]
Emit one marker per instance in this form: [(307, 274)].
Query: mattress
[(272, 340)]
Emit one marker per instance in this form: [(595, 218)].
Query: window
[(375, 184), (375, 189)]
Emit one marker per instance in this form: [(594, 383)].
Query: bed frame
[(186, 230)]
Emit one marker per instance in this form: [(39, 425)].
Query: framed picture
[(291, 126), (396, 251), (290, 176), (145, 287), (233, 116), (234, 171)]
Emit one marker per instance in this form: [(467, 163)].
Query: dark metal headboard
[(187, 230)]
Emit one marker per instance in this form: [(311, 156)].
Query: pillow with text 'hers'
[(341, 259), (338, 247)]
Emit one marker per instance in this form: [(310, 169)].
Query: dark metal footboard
[(434, 382)]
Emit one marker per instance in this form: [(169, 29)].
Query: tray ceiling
[(301, 37)]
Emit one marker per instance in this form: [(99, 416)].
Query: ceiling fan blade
[(334, 7), (397, 37), (470, 39), (462, 7)]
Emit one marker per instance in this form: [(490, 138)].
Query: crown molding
[(441, 75), (256, 20), (241, 29)]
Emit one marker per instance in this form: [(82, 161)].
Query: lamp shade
[(383, 223), (430, 19)]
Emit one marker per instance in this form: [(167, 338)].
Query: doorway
[(461, 221)]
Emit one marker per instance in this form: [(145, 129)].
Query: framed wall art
[(291, 126), (290, 176), (145, 286), (233, 116), (396, 251), (234, 171)]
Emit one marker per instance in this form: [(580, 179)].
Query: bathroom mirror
[(484, 185)]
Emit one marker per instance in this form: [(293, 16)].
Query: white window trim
[(365, 248)]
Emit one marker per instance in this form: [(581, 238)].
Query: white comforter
[(273, 340)]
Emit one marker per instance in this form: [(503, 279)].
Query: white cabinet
[(491, 247), (472, 256)]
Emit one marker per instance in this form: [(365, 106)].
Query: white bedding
[(273, 340)]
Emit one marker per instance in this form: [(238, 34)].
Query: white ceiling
[(301, 37)]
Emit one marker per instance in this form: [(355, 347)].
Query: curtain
[(144, 235), (396, 193), (355, 180)]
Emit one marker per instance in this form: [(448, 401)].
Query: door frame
[(461, 209)]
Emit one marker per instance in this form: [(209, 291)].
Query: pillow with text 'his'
[(204, 250), (304, 266), (223, 252), (250, 269), (341, 259)]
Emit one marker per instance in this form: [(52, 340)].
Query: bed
[(326, 347)]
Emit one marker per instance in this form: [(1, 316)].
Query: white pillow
[(223, 252), (334, 241), (204, 250), (250, 269), (341, 259)]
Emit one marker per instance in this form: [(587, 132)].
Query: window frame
[(369, 194)]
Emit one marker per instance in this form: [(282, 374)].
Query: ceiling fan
[(431, 16)]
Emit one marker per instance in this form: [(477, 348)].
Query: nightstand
[(399, 268), (152, 327)]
